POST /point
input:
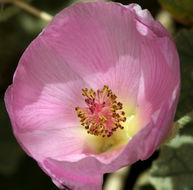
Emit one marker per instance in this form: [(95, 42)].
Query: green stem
[(41, 14)]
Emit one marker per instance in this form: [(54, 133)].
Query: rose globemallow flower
[(97, 90)]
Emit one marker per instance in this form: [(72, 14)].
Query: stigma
[(103, 114)]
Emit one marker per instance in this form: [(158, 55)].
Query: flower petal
[(72, 176), (45, 90), (142, 145), (101, 44), (144, 18), (76, 173), (92, 44), (158, 79), (55, 143), (41, 144)]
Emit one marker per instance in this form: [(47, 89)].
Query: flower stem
[(41, 14), (185, 119)]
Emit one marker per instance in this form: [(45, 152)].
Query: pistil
[(102, 114)]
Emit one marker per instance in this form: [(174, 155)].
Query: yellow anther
[(102, 107)]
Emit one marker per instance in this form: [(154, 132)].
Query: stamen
[(103, 114)]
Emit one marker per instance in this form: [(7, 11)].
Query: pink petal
[(142, 145), (71, 175), (55, 143), (100, 44), (45, 90), (158, 80), (81, 172), (144, 18), (159, 62), (41, 144)]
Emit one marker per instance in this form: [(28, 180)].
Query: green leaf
[(182, 10), (174, 168)]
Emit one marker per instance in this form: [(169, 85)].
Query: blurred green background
[(169, 168)]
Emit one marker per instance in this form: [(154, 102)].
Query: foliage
[(182, 10)]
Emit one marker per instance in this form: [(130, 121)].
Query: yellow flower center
[(108, 123)]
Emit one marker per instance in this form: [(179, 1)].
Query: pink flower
[(131, 65)]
